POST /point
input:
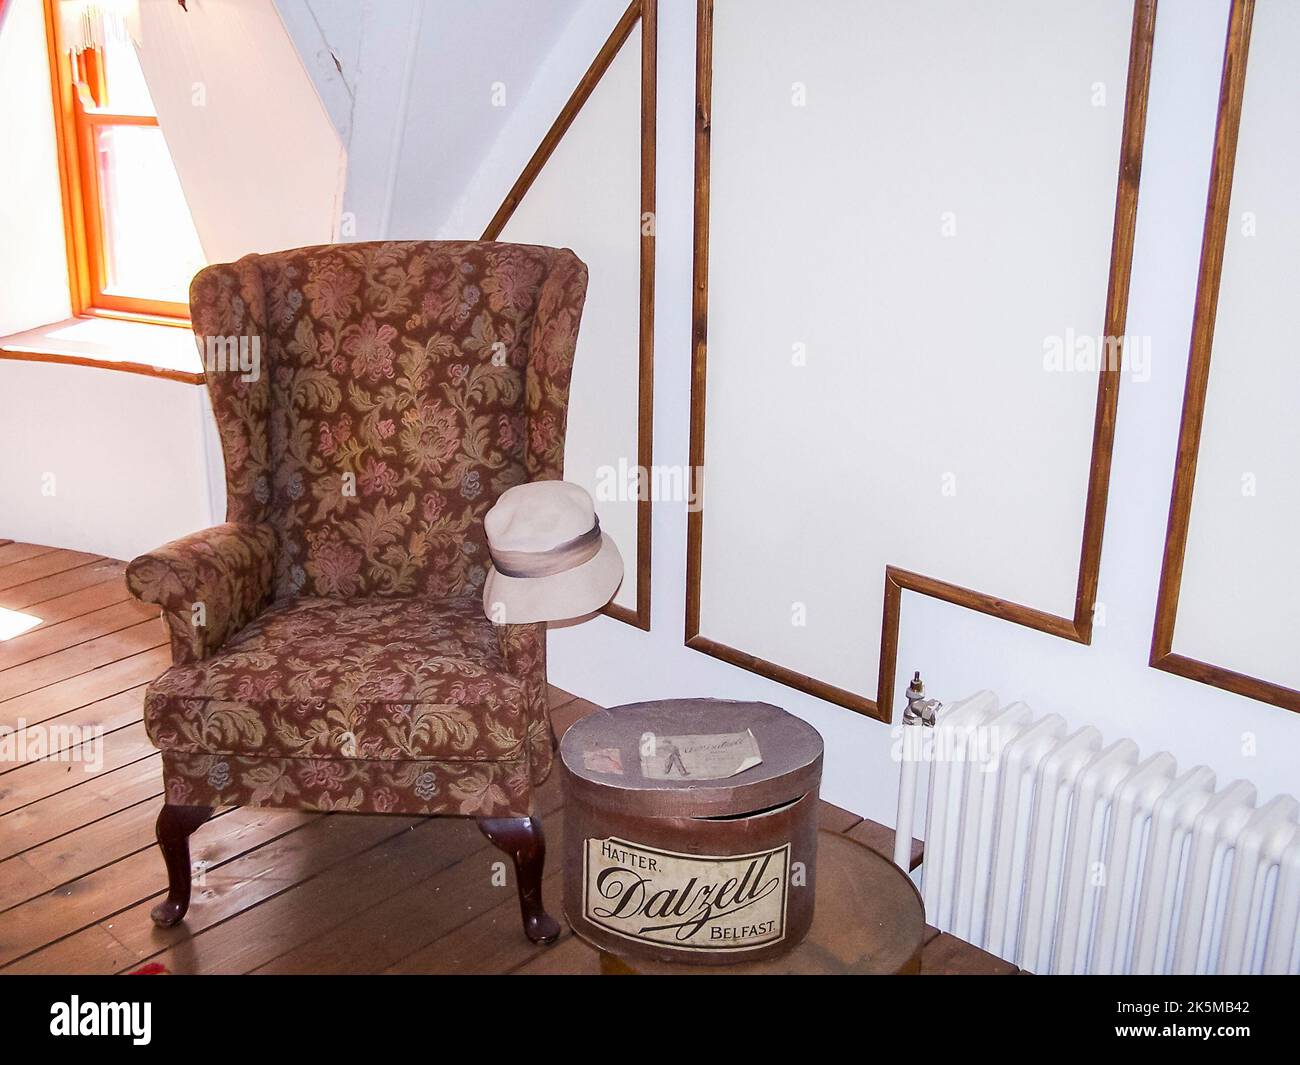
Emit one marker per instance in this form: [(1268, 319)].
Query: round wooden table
[(869, 920)]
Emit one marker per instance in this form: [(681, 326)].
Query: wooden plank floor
[(275, 891)]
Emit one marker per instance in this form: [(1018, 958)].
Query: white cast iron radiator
[(1061, 854)]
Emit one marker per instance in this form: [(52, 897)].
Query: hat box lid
[(790, 748)]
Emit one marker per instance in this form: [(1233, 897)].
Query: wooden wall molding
[(896, 580), (647, 11), (1213, 243), (119, 366)]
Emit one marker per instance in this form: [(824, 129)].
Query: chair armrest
[(209, 584), (524, 649)]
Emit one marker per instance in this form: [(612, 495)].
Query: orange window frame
[(78, 86)]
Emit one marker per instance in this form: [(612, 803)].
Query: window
[(132, 246)]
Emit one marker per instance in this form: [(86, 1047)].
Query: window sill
[(155, 350)]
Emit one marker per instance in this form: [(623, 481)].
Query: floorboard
[(11, 552), (60, 733), (68, 810), (35, 781), (83, 658), (43, 563), (272, 903), (102, 894), (83, 688), (276, 891), (33, 596), (83, 850), (60, 631)]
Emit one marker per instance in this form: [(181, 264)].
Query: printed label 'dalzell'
[(687, 901)]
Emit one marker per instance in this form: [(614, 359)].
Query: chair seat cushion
[(374, 679)]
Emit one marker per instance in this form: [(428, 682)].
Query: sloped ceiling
[(441, 102), (258, 157)]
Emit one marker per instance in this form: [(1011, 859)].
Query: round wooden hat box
[(677, 847)]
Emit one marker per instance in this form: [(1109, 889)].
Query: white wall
[(34, 265), (100, 460), (1107, 684), (90, 459), (134, 459)]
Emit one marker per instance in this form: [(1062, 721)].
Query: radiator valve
[(920, 710)]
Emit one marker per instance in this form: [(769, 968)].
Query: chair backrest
[(374, 399)]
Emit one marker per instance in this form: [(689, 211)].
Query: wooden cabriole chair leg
[(175, 826), (522, 839)]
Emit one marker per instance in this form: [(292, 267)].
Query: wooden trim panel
[(648, 12), (1078, 627), (141, 368), (1213, 243)]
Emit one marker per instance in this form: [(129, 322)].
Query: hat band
[(559, 559)]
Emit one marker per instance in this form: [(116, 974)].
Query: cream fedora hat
[(550, 561)]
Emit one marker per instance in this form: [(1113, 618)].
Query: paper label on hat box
[(708, 757), (686, 901), (603, 760)]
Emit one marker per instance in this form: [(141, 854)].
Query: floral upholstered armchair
[(329, 645)]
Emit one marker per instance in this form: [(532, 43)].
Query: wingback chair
[(329, 645)]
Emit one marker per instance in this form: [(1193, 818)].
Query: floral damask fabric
[(524, 649), (361, 678), (209, 584), (472, 789), (405, 386), (396, 389)]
